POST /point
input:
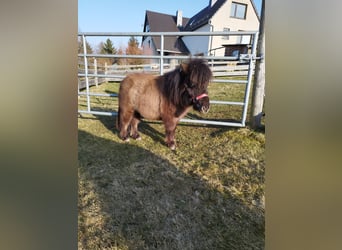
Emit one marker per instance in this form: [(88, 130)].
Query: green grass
[(208, 194)]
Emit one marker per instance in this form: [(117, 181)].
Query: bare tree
[(133, 49), (80, 46)]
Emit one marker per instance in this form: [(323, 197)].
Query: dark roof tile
[(202, 17)]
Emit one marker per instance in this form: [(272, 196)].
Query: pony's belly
[(149, 107), (149, 113)]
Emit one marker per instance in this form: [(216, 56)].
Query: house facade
[(219, 15)]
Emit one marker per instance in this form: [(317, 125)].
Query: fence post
[(86, 71), (161, 70), (95, 72), (259, 77)]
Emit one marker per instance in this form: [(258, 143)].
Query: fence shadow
[(130, 198), (111, 92)]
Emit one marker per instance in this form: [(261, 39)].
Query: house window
[(226, 30), (238, 10), (246, 39)]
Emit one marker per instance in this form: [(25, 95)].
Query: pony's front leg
[(170, 131)]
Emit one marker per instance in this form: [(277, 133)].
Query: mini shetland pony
[(168, 98)]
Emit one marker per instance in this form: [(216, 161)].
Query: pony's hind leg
[(134, 126), (125, 119)]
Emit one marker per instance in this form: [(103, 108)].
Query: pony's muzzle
[(202, 107), (205, 109), (201, 103)]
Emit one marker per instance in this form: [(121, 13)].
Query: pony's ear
[(184, 67)]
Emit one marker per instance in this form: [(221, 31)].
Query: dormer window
[(238, 10)]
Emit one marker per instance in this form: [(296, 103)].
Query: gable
[(159, 22), (203, 17)]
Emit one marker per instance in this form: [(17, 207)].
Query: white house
[(219, 15)]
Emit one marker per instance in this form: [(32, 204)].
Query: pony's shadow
[(144, 128)]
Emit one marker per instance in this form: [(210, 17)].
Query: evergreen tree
[(108, 48)]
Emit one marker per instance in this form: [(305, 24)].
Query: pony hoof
[(172, 146), (136, 137), (126, 139)]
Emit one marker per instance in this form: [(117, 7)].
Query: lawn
[(208, 194)]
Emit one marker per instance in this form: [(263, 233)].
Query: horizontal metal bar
[(102, 75), (116, 95), (123, 76), (227, 58), (98, 113), (119, 56), (98, 94), (229, 81), (185, 33), (231, 124), (227, 103)]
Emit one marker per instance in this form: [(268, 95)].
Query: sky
[(129, 15)]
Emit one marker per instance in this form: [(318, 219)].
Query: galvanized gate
[(248, 59)]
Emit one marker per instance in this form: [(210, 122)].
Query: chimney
[(212, 2), (179, 18)]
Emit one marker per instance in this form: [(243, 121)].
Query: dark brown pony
[(168, 98)]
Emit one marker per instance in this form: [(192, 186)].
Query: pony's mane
[(200, 73), (195, 71)]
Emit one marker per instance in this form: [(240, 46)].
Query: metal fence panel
[(89, 77)]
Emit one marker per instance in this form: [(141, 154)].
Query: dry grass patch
[(209, 194)]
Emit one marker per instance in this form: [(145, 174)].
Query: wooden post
[(106, 71), (259, 76), (95, 72)]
